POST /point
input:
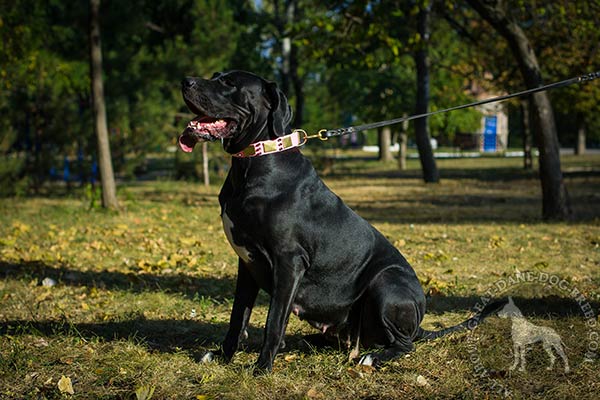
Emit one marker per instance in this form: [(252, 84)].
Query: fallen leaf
[(40, 342), (422, 381), (65, 385), (355, 374), (314, 394), (144, 392), (367, 369), (48, 282), (66, 360), (290, 357)]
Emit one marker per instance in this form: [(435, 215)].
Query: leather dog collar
[(295, 139)]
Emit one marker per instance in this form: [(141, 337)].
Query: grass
[(140, 295)]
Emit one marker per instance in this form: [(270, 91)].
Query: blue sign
[(489, 134)]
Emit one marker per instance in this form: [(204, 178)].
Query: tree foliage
[(352, 63)]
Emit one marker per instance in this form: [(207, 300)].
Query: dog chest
[(229, 228)]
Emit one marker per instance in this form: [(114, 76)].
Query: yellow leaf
[(314, 394), (144, 392), (202, 397), (65, 385), (20, 227)]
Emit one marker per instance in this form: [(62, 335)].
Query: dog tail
[(469, 324)]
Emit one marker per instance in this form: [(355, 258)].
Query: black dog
[(295, 238)]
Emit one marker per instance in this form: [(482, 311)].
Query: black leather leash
[(325, 134)]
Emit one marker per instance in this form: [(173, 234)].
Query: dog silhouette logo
[(525, 333)]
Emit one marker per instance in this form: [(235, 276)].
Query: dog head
[(510, 310), (237, 107)]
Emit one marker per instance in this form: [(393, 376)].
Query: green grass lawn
[(140, 295)]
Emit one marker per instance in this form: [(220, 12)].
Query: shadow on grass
[(460, 207), (497, 173), (552, 306), (196, 337), (484, 174), (167, 336), (191, 286), (164, 335)]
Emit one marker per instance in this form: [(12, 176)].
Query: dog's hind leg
[(392, 312), (387, 354)]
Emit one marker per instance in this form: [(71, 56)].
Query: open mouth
[(204, 128)]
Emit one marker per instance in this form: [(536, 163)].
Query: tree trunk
[(107, 178), (402, 141), (298, 84), (555, 200), (289, 58), (581, 134), (527, 157), (430, 171), (385, 141), (282, 20)]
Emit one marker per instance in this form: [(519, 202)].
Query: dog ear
[(280, 115)]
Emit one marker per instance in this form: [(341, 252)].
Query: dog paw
[(367, 360), (208, 357)]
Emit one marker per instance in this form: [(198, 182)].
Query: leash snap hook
[(319, 135)]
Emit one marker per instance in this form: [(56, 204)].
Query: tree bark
[(555, 200), (298, 84), (282, 20), (289, 58), (385, 141), (402, 142), (527, 142), (430, 171), (107, 177), (581, 134)]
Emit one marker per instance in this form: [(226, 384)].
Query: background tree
[(555, 201), (422, 62), (107, 177), (567, 40), (44, 89)]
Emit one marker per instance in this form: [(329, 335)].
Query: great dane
[(295, 238)]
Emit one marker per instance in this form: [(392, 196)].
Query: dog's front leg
[(285, 285), (246, 291)]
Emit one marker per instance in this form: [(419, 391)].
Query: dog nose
[(188, 82)]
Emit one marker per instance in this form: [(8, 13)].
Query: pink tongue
[(187, 147)]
